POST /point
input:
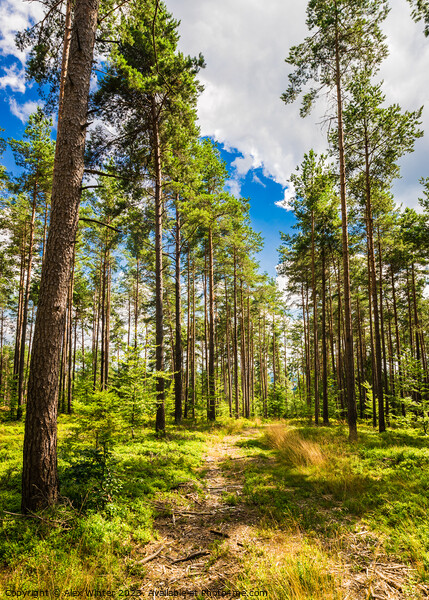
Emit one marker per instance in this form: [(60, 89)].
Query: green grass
[(311, 488), (105, 513), (380, 483)]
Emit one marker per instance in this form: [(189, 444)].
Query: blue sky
[(244, 44), (267, 218)]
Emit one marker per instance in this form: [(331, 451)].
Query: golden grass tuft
[(288, 567), (293, 448)]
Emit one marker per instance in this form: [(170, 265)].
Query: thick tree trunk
[(39, 476)]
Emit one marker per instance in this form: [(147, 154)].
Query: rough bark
[(39, 476)]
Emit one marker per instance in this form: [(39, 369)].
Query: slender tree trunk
[(136, 304), (398, 341), (349, 358), (2, 394), (70, 329), (39, 476), (382, 330), (360, 362), (178, 367), (19, 320), (25, 309), (188, 335), (228, 349), (324, 345), (159, 285), (306, 353), (107, 332), (236, 395), (211, 347), (373, 291), (103, 317), (193, 350), (315, 336)]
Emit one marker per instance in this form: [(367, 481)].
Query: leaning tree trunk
[(39, 475)]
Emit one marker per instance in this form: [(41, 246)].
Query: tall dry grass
[(292, 448)]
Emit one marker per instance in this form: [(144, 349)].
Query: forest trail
[(208, 535), (205, 527)]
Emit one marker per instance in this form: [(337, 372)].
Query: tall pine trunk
[(159, 287), (211, 346), (348, 354), (39, 475), (178, 367)]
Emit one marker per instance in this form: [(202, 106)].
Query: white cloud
[(13, 78), (289, 195), (23, 111), (234, 186), (16, 16), (256, 179), (245, 43)]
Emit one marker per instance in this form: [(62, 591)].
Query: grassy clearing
[(321, 490), (105, 515)]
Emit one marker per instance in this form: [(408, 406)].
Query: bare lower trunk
[(39, 476)]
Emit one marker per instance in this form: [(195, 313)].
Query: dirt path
[(207, 532), (204, 527)]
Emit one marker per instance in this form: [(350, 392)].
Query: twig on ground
[(147, 559), (191, 556)]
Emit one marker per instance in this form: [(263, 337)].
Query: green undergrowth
[(105, 512), (315, 494), (313, 482)]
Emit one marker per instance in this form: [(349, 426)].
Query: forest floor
[(283, 511), (211, 539)]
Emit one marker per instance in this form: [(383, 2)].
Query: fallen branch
[(147, 559), (191, 556), (219, 533), (33, 516)]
